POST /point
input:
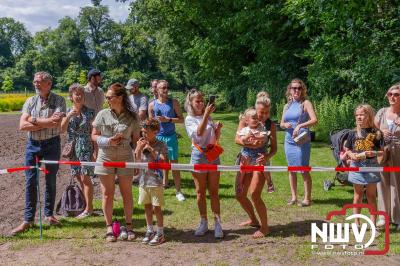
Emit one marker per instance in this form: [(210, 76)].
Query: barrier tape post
[(38, 192)]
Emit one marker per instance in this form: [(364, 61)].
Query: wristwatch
[(34, 121), (170, 119)]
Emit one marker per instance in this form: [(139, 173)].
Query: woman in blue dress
[(298, 115), (78, 124)]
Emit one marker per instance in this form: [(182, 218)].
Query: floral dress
[(79, 129)]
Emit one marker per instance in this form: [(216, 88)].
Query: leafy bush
[(334, 113), (12, 102)]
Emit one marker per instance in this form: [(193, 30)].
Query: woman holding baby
[(257, 135)]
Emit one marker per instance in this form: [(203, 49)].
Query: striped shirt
[(35, 107), (94, 99)]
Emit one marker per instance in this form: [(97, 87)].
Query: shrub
[(334, 113), (12, 103)]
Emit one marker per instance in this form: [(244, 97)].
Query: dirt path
[(182, 248)]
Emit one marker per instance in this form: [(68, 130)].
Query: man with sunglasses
[(137, 99), (41, 118)]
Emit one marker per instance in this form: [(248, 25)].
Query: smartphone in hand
[(211, 99)]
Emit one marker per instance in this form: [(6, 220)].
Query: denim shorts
[(364, 178), (198, 157)]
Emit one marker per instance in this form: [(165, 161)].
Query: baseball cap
[(92, 73), (131, 83)]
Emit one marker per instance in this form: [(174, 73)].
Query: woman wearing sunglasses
[(298, 115), (388, 121), (114, 129)]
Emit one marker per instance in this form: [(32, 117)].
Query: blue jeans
[(49, 149)]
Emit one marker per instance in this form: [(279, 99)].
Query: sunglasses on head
[(390, 94)]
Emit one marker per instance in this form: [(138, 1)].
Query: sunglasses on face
[(297, 88), (108, 98), (390, 94)]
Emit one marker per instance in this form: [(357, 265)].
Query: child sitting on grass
[(151, 191)]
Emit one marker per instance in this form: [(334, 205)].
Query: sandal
[(110, 235), (304, 204), (131, 234), (292, 202)]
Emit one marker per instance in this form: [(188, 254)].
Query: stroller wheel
[(327, 185)]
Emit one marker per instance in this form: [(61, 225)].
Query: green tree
[(70, 75), (82, 77), (8, 84), (354, 46), (14, 41), (100, 33), (232, 45)]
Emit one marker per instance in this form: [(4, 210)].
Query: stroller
[(337, 138)]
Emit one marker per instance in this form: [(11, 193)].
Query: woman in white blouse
[(203, 131)]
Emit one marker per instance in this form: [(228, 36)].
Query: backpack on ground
[(72, 201)]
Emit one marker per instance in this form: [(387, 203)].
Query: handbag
[(69, 149), (302, 138), (384, 158), (212, 151)]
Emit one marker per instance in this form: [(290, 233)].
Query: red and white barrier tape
[(226, 168), (23, 168)]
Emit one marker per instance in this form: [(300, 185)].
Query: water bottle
[(116, 228), (124, 233)]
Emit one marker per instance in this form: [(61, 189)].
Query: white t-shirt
[(259, 131), (208, 137)]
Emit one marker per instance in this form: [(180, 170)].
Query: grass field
[(184, 216)]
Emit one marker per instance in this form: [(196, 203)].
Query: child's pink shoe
[(271, 188)]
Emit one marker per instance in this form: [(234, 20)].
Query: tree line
[(229, 47)]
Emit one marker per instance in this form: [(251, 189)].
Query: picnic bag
[(72, 202)]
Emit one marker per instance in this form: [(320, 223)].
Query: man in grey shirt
[(137, 99), (41, 118), (94, 95)]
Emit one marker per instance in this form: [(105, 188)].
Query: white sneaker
[(202, 229), (218, 233), (180, 196), (380, 223), (148, 237)]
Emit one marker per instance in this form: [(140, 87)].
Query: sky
[(37, 15)]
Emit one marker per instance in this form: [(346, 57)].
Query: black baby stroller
[(337, 138)]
